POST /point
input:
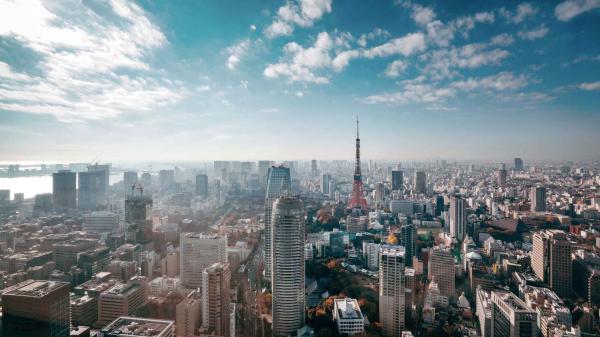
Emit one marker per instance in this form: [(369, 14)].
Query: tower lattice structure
[(358, 196)]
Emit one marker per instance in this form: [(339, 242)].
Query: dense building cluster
[(304, 248)]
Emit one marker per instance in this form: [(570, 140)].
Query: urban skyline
[(161, 81)]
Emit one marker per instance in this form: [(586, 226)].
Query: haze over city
[(192, 80)]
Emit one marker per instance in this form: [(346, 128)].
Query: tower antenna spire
[(357, 126)]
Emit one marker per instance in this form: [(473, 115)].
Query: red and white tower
[(358, 201)]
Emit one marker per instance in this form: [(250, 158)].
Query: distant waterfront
[(37, 184)]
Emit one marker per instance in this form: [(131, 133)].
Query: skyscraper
[(313, 168), (391, 290), (166, 178), (357, 199), (130, 179), (501, 177), (408, 239), (202, 185), (288, 266), (537, 195), (36, 309), (263, 172), (439, 205), (279, 183), (511, 317), (216, 299), (397, 180), (138, 218), (64, 190), (325, 179), (518, 164), (199, 251), (458, 217), (441, 270), (92, 189), (551, 260), (420, 182)]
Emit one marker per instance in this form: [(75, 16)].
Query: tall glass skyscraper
[(279, 184), (288, 266)]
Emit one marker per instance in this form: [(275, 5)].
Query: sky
[(247, 80)]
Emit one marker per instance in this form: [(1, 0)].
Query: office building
[(408, 239), (202, 186), (216, 299), (325, 180), (391, 290), (93, 261), (146, 180), (441, 270), (288, 266), (551, 260), (586, 285), (371, 255), (36, 309), (439, 205), (42, 204), (420, 184), (263, 172), (122, 299), (519, 164), (458, 218), (138, 218), (166, 178), (101, 222), (314, 170), (138, 327), (484, 308), (4, 197), (64, 190), (279, 183), (501, 177), (348, 317), (511, 317), (537, 195), (67, 253), (130, 181), (397, 180), (197, 252), (93, 190), (188, 317), (84, 309)]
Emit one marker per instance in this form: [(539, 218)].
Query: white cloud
[(535, 33), (82, 54), (278, 28), (433, 95), (395, 68), (300, 63), (442, 34), (406, 45), (499, 82), (569, 9), (252, 27), (301, 13), (422, 15), (236, 52), (590, 86), (502, 40), (412, 93), (442, 62), (375, 34), (524, 10)]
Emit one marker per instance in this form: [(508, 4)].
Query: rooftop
[(135, 326), (34, 288), (347, 308)]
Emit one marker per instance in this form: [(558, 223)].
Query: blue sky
[(203, 80)]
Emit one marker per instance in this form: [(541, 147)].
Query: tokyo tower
[(358, 201)]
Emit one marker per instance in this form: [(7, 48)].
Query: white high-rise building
[(441, 270), (371, 255), (391, 290), (279, 184), (101, 222), (347, 315), (197, 252), (288, 266), (511, 317), (458, 217)]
